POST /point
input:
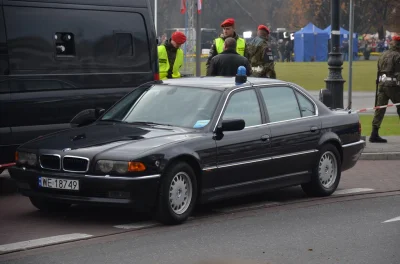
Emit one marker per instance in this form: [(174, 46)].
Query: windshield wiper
[(148, 123)]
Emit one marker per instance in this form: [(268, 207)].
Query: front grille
[(50, 162), (75, 164)]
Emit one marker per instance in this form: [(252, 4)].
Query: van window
[(104, 40), (124, 44)]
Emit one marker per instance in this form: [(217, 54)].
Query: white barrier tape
[(376, 107)]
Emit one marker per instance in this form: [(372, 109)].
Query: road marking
[(240, 208), (137, 225), (392, 220), (41, 242), (354, 190)]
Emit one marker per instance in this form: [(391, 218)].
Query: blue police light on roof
[(241, 76)]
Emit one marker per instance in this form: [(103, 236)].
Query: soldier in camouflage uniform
[(389, 86), (260, 55), (228, 28)]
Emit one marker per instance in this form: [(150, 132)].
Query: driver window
[(244, 105)]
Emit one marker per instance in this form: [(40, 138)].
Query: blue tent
[(311, 42), (345, 35)]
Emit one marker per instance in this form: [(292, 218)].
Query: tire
[(174, 206), (325, 183), (1, 171), (48, 206)]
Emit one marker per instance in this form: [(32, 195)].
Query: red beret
[(228, 22), (262, 27), (396, 38), (178, 37)]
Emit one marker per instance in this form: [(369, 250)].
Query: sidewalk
[(382, 151), (372, 151)]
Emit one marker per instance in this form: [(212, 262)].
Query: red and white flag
[(199, 5), (183, 6)]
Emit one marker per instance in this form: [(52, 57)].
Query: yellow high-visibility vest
[(240, 45), (163, 63)]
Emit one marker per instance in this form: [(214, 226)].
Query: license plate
[(61, 184)]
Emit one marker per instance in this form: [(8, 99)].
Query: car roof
[(219, 83)]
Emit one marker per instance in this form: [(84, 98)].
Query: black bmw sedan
[(167, 146)]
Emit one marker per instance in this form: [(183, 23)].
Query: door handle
[(313, 129), (265, 138)]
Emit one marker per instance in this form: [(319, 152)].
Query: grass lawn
[(311, 75), (390, 125)]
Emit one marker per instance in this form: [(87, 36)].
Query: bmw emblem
[(66, 149)]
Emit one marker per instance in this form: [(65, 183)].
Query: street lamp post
[(332, 96)]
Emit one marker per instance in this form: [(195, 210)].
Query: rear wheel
[(326, 174), (48, 205), (177, 196)]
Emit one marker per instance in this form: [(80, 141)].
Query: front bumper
[(351, 154), (139, 193)]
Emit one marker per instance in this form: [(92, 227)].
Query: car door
[(295, 129), (243, 155)]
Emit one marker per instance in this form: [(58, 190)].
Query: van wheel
[(48, 206), (177, 195), (326, 174)]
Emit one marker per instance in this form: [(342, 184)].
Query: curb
[(380, 156)]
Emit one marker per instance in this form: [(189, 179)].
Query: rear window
[(76, 39)]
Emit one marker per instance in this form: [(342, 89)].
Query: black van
[(58, 57)]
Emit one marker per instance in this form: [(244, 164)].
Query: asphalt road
[(340, 232), (286, 225)]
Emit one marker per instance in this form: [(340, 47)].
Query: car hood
[(114, 139)]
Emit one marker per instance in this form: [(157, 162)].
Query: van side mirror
[(86, 117)]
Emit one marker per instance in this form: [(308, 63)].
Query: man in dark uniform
[(260, 55), (389, 86), (227, 63), (228, 27)]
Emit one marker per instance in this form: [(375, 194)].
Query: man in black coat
[(227, 63)]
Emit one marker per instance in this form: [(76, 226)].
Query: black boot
[(375, 138)]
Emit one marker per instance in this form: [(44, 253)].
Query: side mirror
[(232, 125), (86, 117), (99, 112)]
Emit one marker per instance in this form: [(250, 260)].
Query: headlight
[(26, 158), (120, 167)]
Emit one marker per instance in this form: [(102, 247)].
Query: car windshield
[(166, 105)]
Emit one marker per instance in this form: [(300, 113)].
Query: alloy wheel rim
[(180, 193), (327, 169)]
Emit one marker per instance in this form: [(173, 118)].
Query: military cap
[(262, 27), (178, 37), (228, 22)]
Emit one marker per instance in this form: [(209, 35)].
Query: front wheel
[(177, 196), (326, 174), (48, 205)]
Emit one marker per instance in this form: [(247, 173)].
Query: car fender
[(332, 138), (181, 153)]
